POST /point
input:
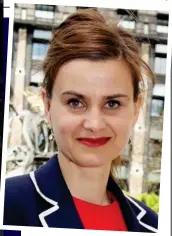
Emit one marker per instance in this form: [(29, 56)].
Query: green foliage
[(149, 199)]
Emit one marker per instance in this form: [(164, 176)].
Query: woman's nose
[(94, 121)]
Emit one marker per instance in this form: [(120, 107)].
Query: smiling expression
[(92, 110)]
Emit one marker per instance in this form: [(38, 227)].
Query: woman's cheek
[(66, 126)]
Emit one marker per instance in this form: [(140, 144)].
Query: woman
[(92, 97)]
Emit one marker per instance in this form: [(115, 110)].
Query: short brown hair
[(87, 34)]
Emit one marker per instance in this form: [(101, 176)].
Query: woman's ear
[(47, 103), (137, 106)]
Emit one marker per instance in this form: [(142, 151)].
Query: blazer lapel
[(133, 218), (60, 210)]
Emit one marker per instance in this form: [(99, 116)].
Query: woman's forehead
[(83, 75)]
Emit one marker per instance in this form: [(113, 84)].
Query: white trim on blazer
[(141, 214), (50, 210), (56, 207)]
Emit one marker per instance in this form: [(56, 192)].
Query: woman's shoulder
[(18, 196), (14, 185), (17, 191)]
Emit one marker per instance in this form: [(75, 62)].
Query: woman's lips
[(94, 142)]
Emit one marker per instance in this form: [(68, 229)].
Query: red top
[(100, 217)]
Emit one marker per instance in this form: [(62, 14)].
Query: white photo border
[(165, 193)]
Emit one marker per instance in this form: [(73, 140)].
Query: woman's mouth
[(94, 142)]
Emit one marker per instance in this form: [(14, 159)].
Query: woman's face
[(92, 110)]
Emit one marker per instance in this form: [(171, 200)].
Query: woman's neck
[(86, 183)]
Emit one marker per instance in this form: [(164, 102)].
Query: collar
[(61, 212)]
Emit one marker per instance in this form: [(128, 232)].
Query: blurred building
[(33, 25)]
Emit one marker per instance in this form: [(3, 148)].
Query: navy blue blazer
[(42, 199)]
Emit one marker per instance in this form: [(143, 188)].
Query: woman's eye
[(112, 104), (74, 103)]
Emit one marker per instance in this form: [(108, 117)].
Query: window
[(146, 28), (158, 100), (42, 34), (127, 18), (44, 11), (128, 24), (159, 90), (39, 51), (162, 29), (42, 7), (160, 59), (161, 48), (23, 14), (157, 107), (162, 22), (160, 65)]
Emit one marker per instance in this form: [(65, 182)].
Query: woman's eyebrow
[(81, 96), (73, 93), (117, 95)]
